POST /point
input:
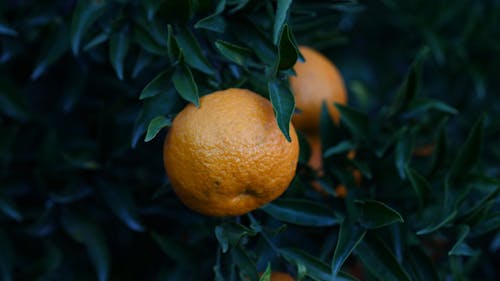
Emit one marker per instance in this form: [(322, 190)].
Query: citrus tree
[(396, 177)]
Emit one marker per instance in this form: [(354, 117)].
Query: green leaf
[(246, 265), (419, 184), (96, 41), (232, 52), (460, 248), (301, 212), (402, 155), (377, 258), (7, 257), (375, 214), (421, 265), (120, 201), (159, 84), (439, 224), (214, 22), (490, 223), (266, 276), (230, 234), (86, 231), (469, 153), (118, 48), (283, 104), (420, 105), (173, 51), (86, 13), (340, 148), (6, 30), (147, 42), (185, 85), (175, 250), (315, 268), (9, 208), (192, 51), (349, 237), (282, 11), (144, 59), (53, 49), (287, 49), (357, 122), (158, 123)]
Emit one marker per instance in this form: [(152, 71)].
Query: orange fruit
[(228, 157), (424, 150), (317, 80), (280, 276)]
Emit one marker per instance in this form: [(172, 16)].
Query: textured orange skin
[(228, 157), (317, 81), (281, 276)]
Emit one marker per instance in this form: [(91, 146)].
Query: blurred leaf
[(54, 48), (377, 258), (282, 11), (420, 105), (283, 104), (439, 224), (155, 126), (349, 237), (9, 208), (422, 266), (315, 268), (341, 148), (192, 51), (356, 121), (71, 193), (402, 155), (419, 184), (469, 153), (232, 52), (6, 30), (287, 49), (185, 85), (96, 41), (147, 42), (176, 11), (86, 13), (151, 7), (375, 214), (174, 53), (120, 201), (161, 83), (490, 223), (144, 59), (214, 22), (118, 48), (266, 276), (301, 212), (86, 231), (7, 256), (460, 248), (230, 234), (173, 249)]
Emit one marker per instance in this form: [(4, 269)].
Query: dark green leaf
[(439, 224), (9, 208), (54, 48), (357, 122), (283, 104), (314, 268), (282, 11), (469, 153), (377, 258), (121, 203), (155, 126), (266, 276), (151, 7), (118, 48), (96, 41), (148, 43), (86, 13), (375, 214), (402, 155), (86, 231), (214, 22), (418, 106), (185, 85), (349, 237), (341, 148), (172, 248), (144, 59), (161, 83), (7, 256), (419, 184), (192, 51), (301, 212), (234, 53), (287, 49), (5, 30), (245, 264), (230, 234), (421, 265), (460, 248), (174, 53), (490, 223)]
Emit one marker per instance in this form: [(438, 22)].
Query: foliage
[(83, 83)]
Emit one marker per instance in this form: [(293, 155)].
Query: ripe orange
[(228, 157), (317, 80), (280, 276)]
